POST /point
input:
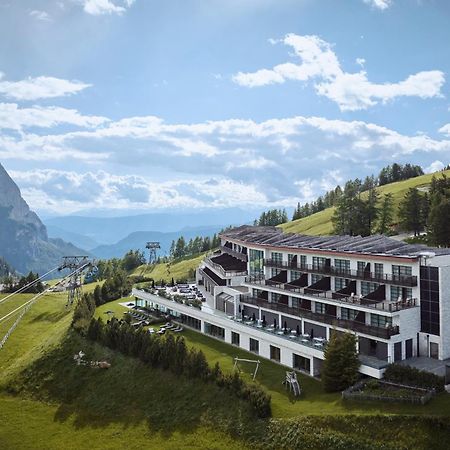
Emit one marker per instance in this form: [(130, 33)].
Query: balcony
[(347, 299), (224, 272), (212, 277), (400, 280), (230, 251), (384, 333)]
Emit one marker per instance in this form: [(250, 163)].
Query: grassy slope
[(56, 423), (178, 270), (320, 223)]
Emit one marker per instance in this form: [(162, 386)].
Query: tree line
[(418, 211), (272, 217), (388, 174), (181, 248), (10, 284)]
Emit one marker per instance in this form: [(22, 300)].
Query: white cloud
[(15, 118), (101, 7), (65, 192), (351, 91), (43, 16), (39, 87), (379, 4), (360, 61), (435, 166), (445, 129)]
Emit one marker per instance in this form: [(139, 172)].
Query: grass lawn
[(320, 223), (313, 400)]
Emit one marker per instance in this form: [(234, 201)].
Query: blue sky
[(132, 105)]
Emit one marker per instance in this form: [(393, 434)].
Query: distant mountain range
[(24, 242), (91, 231), (138, 239)]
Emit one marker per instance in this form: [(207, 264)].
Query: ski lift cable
[(26, 306), (27, 285), (41, 293)]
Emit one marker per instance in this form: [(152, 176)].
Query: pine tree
[(386, 214), (341, 364), (411, 212)]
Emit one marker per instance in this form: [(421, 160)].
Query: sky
[(125, 106)]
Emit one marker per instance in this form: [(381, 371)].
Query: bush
[(413, 377)]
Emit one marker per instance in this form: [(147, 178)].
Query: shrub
[(413, 377)]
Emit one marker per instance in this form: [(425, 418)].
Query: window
[(342, 265), (254, 346), (275, 272), (256, 262), (379, 271), (275, 353), (397, 292), (315, 278), (302, 261), (348, 314), (301, 363), (367, 288), (340, 283), (295, 275), (257, 293), (361, 266), (295, 302), (235, 338), (275, 297), (319, 308), (380, 321), (277, 257), (191, 322), (399, 272), (318, 262), (214, 330)]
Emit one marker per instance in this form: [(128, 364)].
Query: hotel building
[(283, 295)]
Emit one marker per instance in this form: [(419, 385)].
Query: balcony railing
[(400, 280), (384, 333), (230, 251), (336, 296), (225, 273)]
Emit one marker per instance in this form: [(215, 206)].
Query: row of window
[(343, 265)]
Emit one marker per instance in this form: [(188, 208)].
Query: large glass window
[(235, 338), (275, 353), (340, 283), (319, 262), (348, 314), (319, 308), (275, 297), (301, 363), (315, 278), (256, 262), (361, 266), (380, 321), (342, 265), (277, 257), (295, 275), (302, 260), (254, 345), (399, 293), (401, 271), (379, 270), (275, 272), (367, 288), (214, 330)]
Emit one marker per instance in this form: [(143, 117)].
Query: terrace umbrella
[(243, 314), (274, 323), (264, 321), (285, 325), (311, 335), (240, 309), (298, 329), (253, 317)]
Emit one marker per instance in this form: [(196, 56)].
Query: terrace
[(401, 280), (342, 296), (384, 333)]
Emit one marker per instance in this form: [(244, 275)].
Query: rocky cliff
[(24, 243)]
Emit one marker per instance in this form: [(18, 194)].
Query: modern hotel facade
[(282, 296)]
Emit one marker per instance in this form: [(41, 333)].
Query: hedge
[(414, 377)]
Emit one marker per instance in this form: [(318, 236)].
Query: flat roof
[(375, 244)]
